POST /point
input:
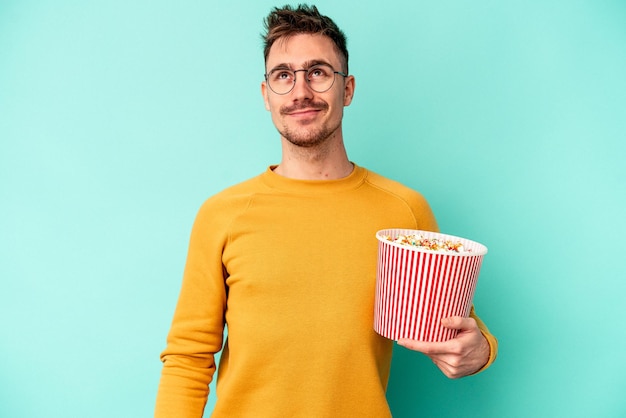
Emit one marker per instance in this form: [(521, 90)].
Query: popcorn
[(433, 244)]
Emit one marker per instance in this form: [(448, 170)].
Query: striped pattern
[(415, 288)]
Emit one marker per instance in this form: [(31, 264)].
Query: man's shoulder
[(392, 187), (248, 186), (237, 192), (392, 193), (217, 211)]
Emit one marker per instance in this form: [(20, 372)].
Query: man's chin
[(305, 143), (306, 139)]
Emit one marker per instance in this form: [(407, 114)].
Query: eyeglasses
[(320, 78)]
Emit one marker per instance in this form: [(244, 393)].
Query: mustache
[(304, 105)]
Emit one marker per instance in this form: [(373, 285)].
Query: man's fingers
[(423, 346), (458, 322), (445, 347)]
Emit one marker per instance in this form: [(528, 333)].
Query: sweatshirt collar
[(276, 181)]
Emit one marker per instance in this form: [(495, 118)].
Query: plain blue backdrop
[(118, 119)]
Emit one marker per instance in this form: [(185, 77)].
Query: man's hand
[(461, 356)]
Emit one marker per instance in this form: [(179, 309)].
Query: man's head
[(306, 83), (283, 23)]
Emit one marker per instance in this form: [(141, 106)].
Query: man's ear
[(264, 93), (348, 92)]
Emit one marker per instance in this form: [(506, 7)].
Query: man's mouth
[(303, 113), (304, 110)]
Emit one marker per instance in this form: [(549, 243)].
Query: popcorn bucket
[(417, 287)]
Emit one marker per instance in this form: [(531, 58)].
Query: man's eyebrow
[(283, 66), (312, 63)]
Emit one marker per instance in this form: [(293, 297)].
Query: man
[(286, 261)]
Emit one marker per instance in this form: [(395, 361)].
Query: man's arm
[(197, 330)]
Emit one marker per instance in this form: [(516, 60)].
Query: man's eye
[(282, 76), (317, 73)]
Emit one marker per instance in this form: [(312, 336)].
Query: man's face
[(304, 117)]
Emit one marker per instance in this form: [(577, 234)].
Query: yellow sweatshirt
[(288, 267)]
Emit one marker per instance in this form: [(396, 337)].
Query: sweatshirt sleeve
[(197, 329), (491, 339)]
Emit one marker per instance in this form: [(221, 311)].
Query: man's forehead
[(298, 50)]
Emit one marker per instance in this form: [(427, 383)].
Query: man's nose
[(301, 88)]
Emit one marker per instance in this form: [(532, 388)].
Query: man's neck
[(315, 163)]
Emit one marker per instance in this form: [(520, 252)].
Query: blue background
[(118, 119)]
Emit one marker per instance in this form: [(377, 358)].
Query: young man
[(286, 261)]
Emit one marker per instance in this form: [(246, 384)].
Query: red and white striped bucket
[(416, 287)]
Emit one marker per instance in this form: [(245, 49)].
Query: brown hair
[(287, 21)]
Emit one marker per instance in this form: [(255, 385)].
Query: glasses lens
[(281, 81), (320, 77)]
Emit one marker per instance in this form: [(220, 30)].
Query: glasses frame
[(306, 78)]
